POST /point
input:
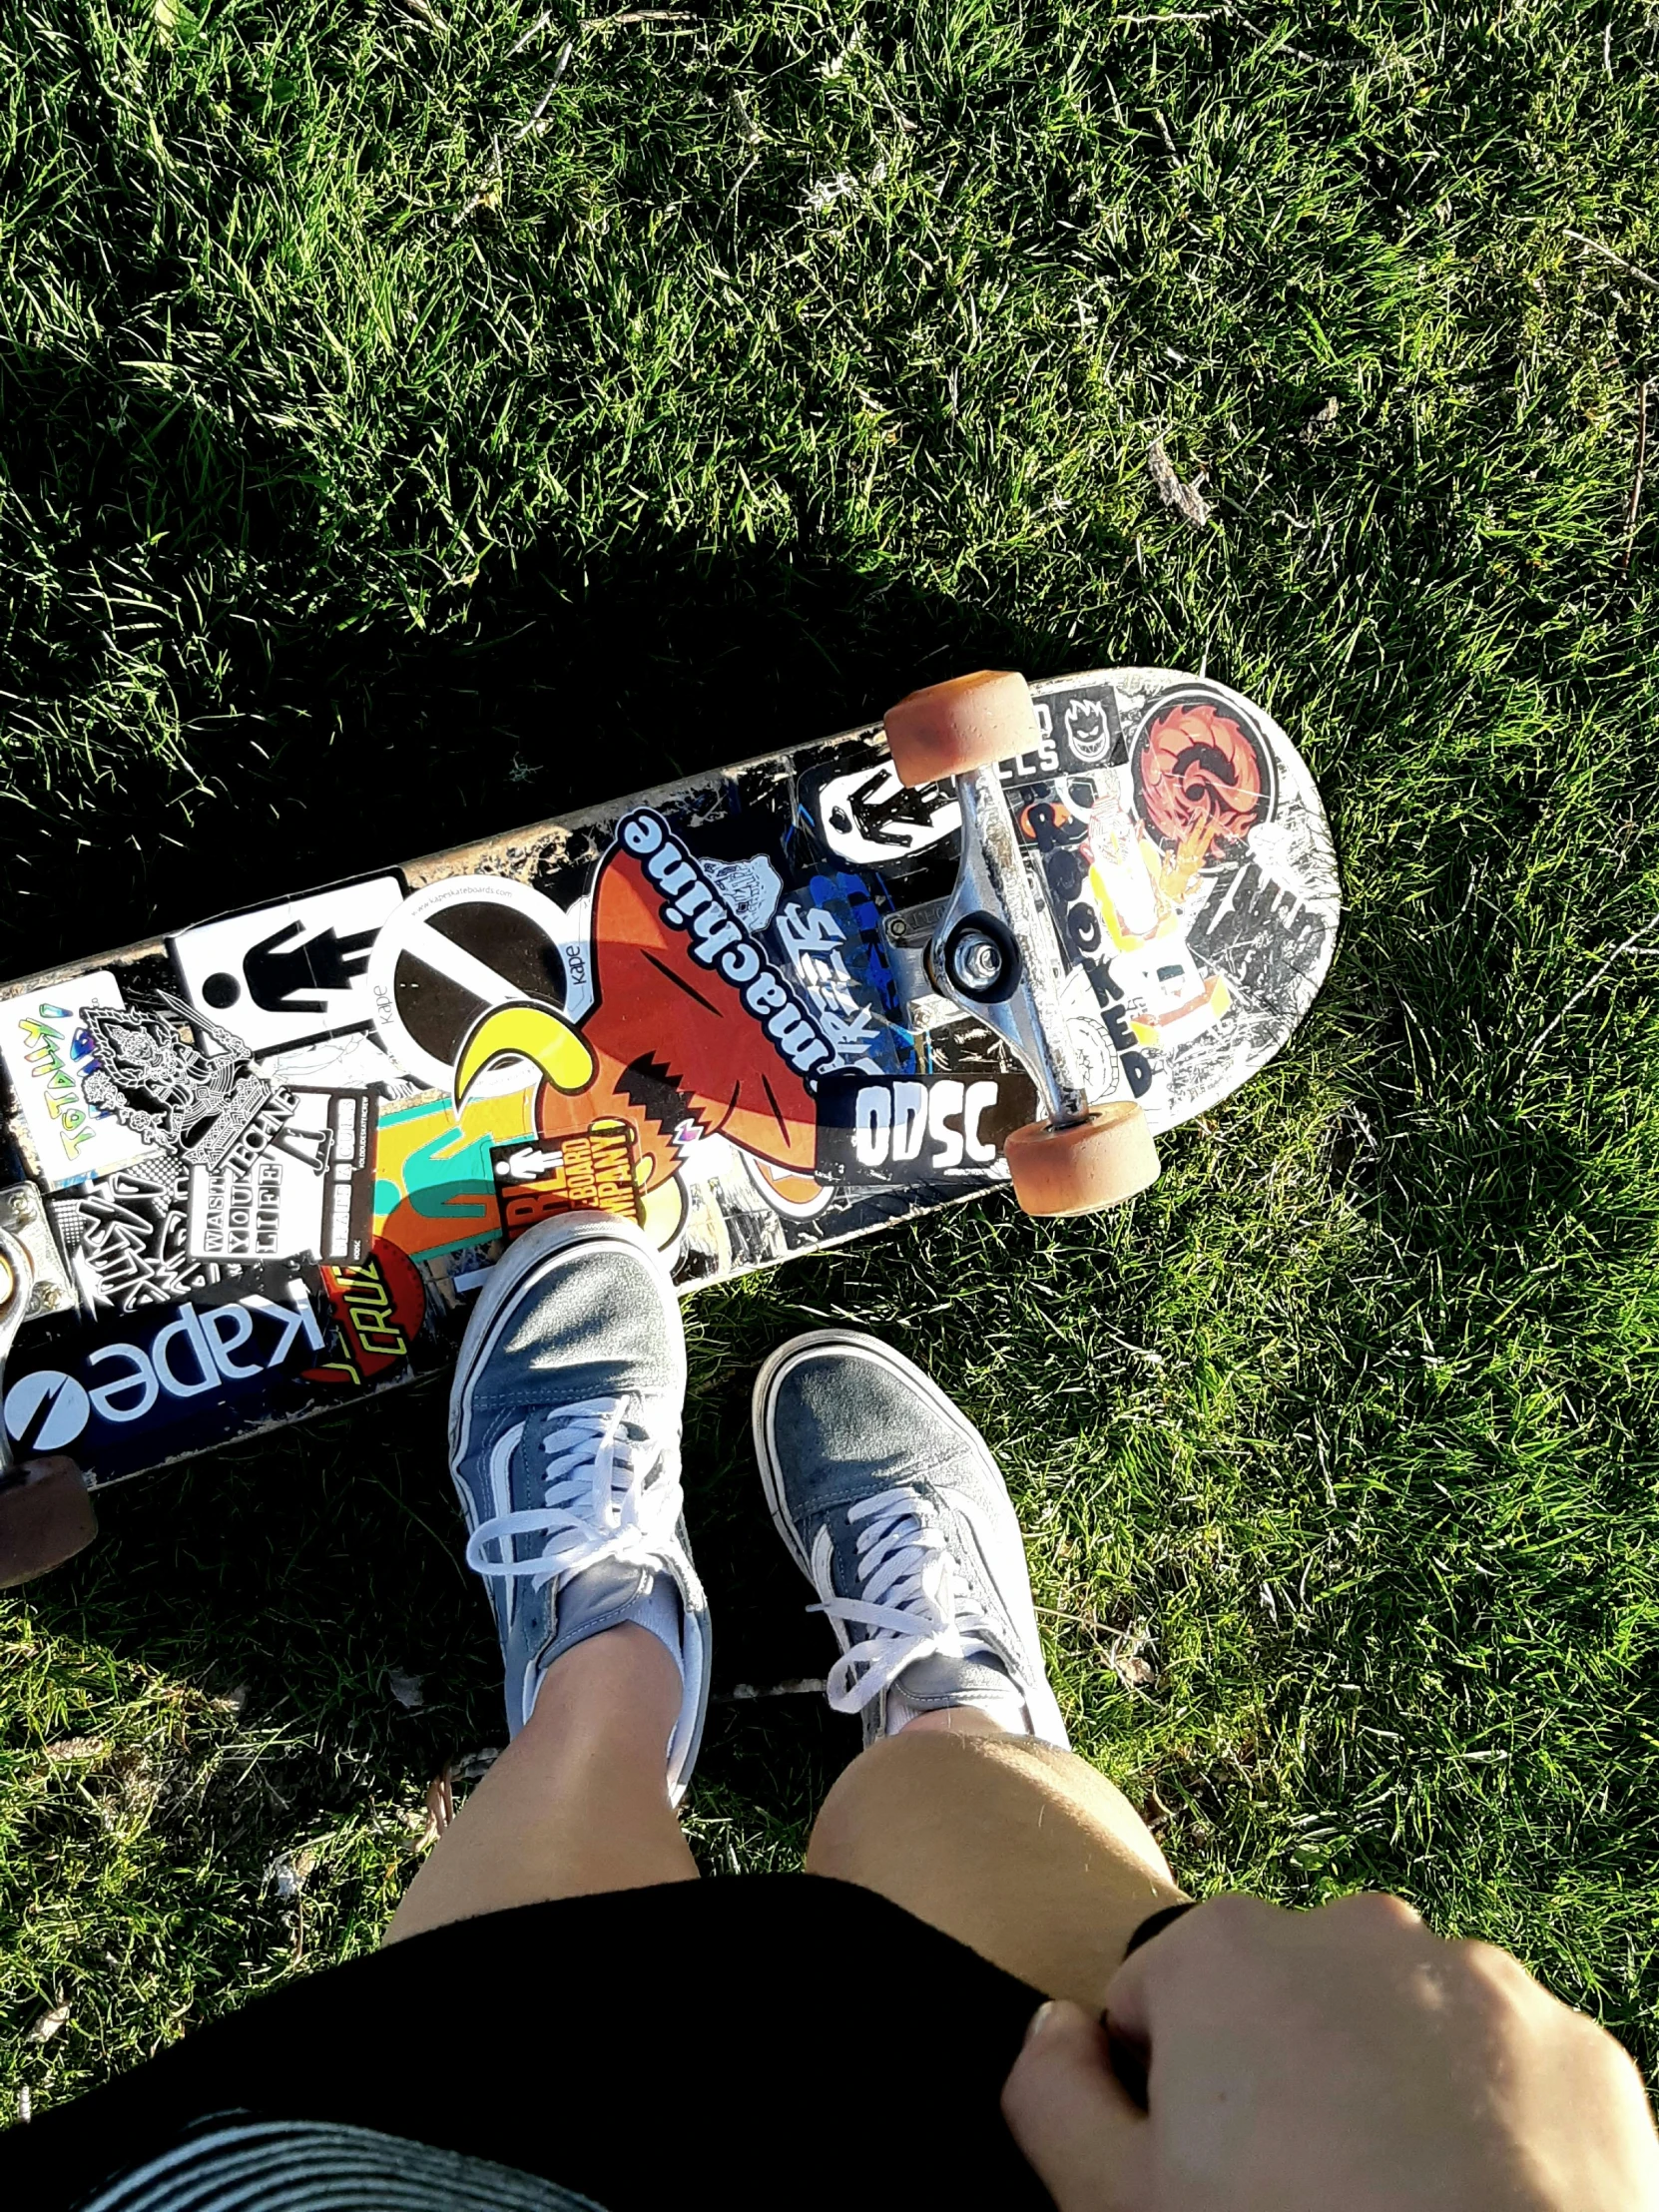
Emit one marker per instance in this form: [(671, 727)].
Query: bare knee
[(1021, 1851)]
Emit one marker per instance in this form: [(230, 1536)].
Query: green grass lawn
[(420, 416)]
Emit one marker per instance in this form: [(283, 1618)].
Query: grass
[(408, 428)]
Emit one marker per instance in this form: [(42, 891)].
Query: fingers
[(1202, 1940), (1221, 1944), (1339, 2056), (1072, 2119)]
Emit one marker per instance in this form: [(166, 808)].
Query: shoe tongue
[(555, 1432)]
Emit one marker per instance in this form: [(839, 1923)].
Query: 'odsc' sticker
[(163, 1381), (935, 1128)]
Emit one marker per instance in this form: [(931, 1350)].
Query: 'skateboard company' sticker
[(49, 1054), (920, 1129), (167, 1379), (457, 948), (379, 1305), (281, 1204), (594, 1168), (283, 976)]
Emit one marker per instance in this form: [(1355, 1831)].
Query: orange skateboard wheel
[(964, 723), (1083, 1166), (45, 1518)]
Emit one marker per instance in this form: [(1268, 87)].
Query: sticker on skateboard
[(754, 1012)]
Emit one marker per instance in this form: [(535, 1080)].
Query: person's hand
[(1339, 2061)]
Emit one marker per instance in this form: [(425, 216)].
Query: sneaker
[(564, 1442), (899, 1516)]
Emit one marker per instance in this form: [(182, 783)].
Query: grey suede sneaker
[(564, 1442), (894, 1510)]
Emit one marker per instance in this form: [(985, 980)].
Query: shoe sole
[(1040, 1698)]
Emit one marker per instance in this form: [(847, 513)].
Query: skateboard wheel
[(1080, 1167), (966, 724), (46, 1517)]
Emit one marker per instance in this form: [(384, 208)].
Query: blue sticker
[(829, 933)]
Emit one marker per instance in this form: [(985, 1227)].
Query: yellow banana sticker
[(528, 1032)]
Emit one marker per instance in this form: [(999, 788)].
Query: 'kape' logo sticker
[(164, 1379)]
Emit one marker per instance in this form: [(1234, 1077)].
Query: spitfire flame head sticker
[(1202, 778)]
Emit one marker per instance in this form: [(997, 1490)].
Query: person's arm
[(1344, 2058)]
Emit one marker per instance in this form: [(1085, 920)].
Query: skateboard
[(259, 1166)]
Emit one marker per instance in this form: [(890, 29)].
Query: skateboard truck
[(990, 948), (46, 1515)]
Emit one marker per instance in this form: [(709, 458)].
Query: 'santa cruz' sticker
[(379, 1305)]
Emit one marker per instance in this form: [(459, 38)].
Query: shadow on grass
[(307, 1570), (574, 676), (309, 1567), (315, 1576)]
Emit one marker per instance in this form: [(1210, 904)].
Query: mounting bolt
[(46, 1299), (977, 960)]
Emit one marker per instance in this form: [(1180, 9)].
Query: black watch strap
[(1156, 1923)]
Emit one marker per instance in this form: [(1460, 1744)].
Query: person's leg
[(564, 1448), (966, 1807), (1018, 1850), (578, 1800)]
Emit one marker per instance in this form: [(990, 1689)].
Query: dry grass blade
[(638, 15), (1594, 245), (1633, 510), (1602, 971), (441, 1804), (1187, 499)]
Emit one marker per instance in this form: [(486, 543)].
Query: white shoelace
[(595, 1501), (914, 1601)]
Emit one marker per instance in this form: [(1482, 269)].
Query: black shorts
[(763, 2040)]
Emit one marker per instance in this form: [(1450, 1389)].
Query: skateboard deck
[(260, 1166)]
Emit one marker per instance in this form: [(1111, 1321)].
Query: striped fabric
[(230, 2164)]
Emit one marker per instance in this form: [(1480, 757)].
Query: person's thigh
[(1022, 1852), (643, 2049)]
